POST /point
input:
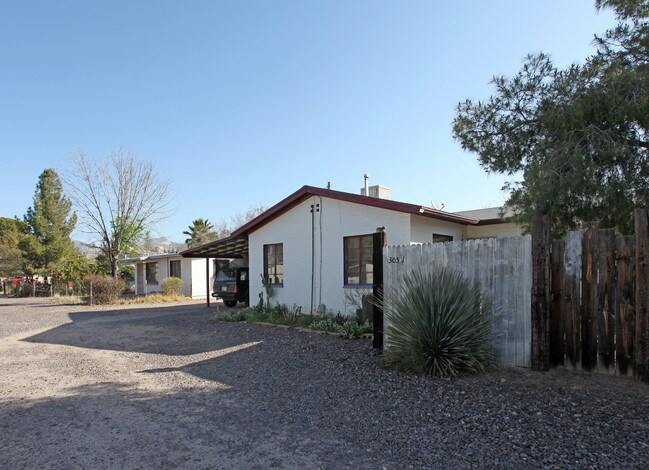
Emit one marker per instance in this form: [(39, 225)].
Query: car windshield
[(225, 275)]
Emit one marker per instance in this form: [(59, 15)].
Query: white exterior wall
[(186, 275), (422, 229), (491, 231), (192, 272), (162, 273), (335, 220), (197, 285)]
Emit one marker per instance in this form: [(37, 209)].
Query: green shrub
[(438, 325), (105, 289), (172, 286), (232, 315), (324, 324), (346, 327), (352, 329)]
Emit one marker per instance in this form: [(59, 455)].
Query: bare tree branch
[(117, 199)]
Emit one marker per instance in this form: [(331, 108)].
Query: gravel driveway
[(165, 387)]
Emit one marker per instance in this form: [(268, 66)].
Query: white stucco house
[(197, 274), (316, 244)]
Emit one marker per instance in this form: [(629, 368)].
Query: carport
[(235, 246)]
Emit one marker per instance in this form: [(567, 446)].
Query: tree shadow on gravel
[(169, 330)]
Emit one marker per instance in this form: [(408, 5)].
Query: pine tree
[(50, 223), (574, 141)]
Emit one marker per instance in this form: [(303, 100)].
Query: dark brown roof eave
[(494, 221), (307, 191)]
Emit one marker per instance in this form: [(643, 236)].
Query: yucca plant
[(438, 325)]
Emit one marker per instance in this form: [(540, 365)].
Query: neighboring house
[(316, 245), (151, 270)]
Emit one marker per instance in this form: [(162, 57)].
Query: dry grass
[(154, 299), (69, 299), (149, 299)]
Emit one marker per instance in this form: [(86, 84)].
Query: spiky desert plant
[(438, 325)]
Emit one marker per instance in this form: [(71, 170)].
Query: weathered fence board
[(500, 266), (570, 308), (557, 327), (589, 299), (605, 301), (540, 313), (641, 344), (625, 304)]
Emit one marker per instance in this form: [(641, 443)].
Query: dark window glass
[(274, 263), (151, 273), (439, 238), (359, 269), (174, 268)]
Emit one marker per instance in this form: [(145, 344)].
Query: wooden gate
[(597, 301)]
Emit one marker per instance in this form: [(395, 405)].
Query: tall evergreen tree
[(574, 141), (50, 223)]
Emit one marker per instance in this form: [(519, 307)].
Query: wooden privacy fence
[(590, 299), (501, 266)]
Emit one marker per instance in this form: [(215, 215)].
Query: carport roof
[(230, 247)]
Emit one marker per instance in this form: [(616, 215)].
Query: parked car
[(231, 285)]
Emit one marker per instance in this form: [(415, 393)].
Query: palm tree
[(201, 231)]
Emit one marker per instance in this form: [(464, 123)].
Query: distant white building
[(197, 274), (316, 245)]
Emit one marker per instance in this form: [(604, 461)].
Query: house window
[(151, 270), (174, 268), (439, 238), (274, 263), (358, 260)]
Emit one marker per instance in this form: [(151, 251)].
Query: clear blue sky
[(243, 102)]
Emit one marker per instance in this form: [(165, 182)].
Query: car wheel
[(230, 303)]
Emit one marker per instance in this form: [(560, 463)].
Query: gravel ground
[(165, 387)]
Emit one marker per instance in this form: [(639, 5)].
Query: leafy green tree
[(11, 260), (201, 231), (573, 141), (75, 267), (51, 222)]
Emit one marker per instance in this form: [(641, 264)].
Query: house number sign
[(396, 259)]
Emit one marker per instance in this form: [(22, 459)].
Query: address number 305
[(396, 259)]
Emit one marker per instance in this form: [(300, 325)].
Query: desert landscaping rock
[(166, 387)]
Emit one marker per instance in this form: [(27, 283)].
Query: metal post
[(207, 281), (378, 241)]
